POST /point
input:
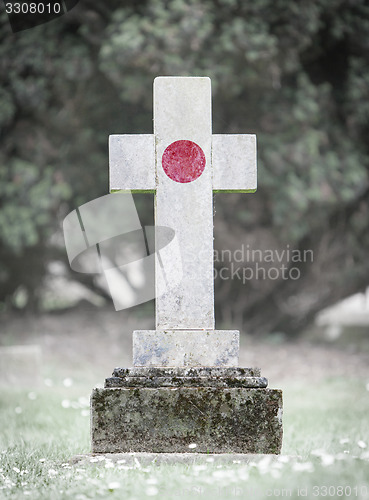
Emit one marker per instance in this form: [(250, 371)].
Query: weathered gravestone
[(185, 386)]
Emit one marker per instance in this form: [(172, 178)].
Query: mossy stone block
[(168, 420)]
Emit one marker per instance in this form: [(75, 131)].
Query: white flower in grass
[(367, 386), (26, 492), (341, 456), (243, 474), (318, 453), (15, 469), (42, 460), (303, 467), (361, 444), (152, 480), (210, 459), (67, 382), (114, 485), (199, 467), (109, 465), (18, 410), (32, 396), (84, 402), (121, 461), (85, 413), (264, 464), (94, 459), (327, 460), (344, 440), (52, 472), (192, 446), (152, 491), (65, 403), (277, 465), (219, 473), (275, 473)]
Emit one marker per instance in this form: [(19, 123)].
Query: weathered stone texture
[(234, 162), (182, 111), (236, 420), (186, 381), (191, 371), (185, 348), (186, 377)]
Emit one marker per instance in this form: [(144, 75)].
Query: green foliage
[(295, 73), (38, 194)]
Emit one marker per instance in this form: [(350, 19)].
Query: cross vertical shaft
[(182, 110)]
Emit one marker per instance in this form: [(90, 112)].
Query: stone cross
[(183, 163), (185, 391)]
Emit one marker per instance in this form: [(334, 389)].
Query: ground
[(326, 404)]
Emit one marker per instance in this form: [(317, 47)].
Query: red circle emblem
[(183, 161)]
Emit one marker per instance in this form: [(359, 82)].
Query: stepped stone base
[(161, 410)]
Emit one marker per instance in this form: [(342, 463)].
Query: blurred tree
[(296, 74)]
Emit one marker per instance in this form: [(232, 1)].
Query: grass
[(325, 425)]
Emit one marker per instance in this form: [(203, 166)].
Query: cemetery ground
[(326, 406)]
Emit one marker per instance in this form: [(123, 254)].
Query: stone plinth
[(165, 410), (185, 347)]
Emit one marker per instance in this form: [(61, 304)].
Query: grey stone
[(132, 162), (182, 111), (185, 348), (168, 420), (255, 382), (234, 162), (193, 371)]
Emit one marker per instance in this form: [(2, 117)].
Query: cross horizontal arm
[(234, 162), (132, 163)]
